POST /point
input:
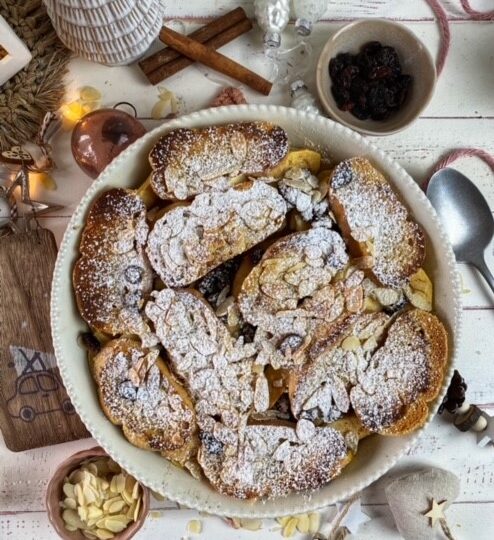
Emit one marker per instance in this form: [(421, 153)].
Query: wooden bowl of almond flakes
[(90, 496)]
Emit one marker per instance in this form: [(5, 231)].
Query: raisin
[(371, 48), (360, 113), (369, 84), (347, 75), (337, 64), (211, 444)]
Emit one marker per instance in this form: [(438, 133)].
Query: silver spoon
[(465, 215)]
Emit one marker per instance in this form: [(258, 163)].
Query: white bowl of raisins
[(375, 76)]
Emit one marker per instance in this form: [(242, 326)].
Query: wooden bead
[(480, 425), (466, 421)]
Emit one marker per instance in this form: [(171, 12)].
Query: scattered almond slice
[(303, 523), (158, 496), (314, 522), (194, 526), (250, 524), (290, 527), (89, 93), (100, 499)]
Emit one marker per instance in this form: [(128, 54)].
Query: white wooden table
[(461, 114)]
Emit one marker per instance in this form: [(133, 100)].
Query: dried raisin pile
[(369, 84)]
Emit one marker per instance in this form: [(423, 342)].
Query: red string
[(456, 154), (442, 20), (476, 15)]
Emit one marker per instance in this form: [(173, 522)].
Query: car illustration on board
[(45, 385)]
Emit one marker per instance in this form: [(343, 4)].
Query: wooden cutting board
[(34, 407)]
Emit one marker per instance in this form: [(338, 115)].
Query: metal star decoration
[(436, 513), (487, 436), (33, 208), (354, 516)]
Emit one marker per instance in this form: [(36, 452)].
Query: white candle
[(14, 55)]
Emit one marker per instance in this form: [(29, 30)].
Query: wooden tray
[(34, 407)]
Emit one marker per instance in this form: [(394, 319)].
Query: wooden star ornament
[(487, 435), (436, 513)]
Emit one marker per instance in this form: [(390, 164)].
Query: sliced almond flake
[(94, 512), (75, 476), (71, 517), (102, 466), (79, 495), (116, 523), (68, 489), (90, 495), (113, 466), (136, 490), (250, 524), (350, 343), (127, 497), (290, 528), (303, 523), (89, 93), (69, 502), (91, 467), (104, 534), (116, 507), (82, 511), (314, 522), (89, 534), (70, 527), (109, 502), (131, 510), (283, 520), (194, 526), (158, 496), (136, 509)]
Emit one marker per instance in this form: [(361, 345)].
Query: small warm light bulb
[(43, 179), (72, 112)]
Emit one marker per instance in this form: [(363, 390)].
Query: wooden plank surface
[(461, 113), (337, 9), (34, 407)]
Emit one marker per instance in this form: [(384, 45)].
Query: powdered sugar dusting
[(272, 461), (217, 369), (374, 214), (394, 376), (185, 159), (113, 275), (321, 388), (136, 395), (189, 241)]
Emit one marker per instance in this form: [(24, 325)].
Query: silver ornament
[(302, 99), (272, 16), (308, 12)]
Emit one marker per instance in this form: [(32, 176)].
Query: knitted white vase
[(111, 32)]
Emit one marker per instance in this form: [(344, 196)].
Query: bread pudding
[(258, 310)]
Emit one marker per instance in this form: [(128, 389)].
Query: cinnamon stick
[(170, 68), (202, 35), (215, 60)]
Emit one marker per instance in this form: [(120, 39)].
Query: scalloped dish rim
[(377, 454)]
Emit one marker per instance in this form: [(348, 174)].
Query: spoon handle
[(484, 270)]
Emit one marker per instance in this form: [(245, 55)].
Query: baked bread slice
[(190, 240), (138, 392), (274, 460), (113, 277), (216, 368), (402, 376), (187, 162), (320, 389), (289, 293), (375, 223)]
